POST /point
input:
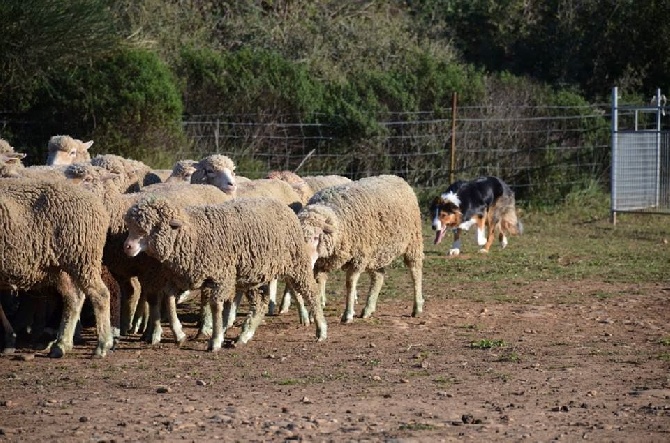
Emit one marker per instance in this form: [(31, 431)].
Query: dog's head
[(446, 213)]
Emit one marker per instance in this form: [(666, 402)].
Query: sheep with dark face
[(239, 245), (363, 226), (53, 234)]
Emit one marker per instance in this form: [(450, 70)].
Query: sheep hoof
[(181, 341), (9, 350), (346, 319), (56, 352), (454, 251)]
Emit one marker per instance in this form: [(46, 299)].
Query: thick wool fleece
[(319, 182), (364, 225), (5, 147), (135, 173), (239, 245), (277, 189), (49, 230), (374, 221)]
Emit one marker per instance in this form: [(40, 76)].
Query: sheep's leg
[(142, 313), (376, 282), (232, 310), (73, 300), (130, 297), (220, 315), (416, 271), (205, 326), (352, 281), (312, 295), (285, 302), (259, 299), (273, 296), (99, 296), (321, 279), (10, 335), (153, 332), (175, 324)]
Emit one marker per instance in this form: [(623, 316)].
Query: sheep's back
[(379, 220), (260, 237), (46, 226)]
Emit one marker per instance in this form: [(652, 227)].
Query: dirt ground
[(561, 362)]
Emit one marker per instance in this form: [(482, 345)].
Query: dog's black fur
[(486, 201)]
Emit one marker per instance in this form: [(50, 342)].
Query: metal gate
[(640, 157)]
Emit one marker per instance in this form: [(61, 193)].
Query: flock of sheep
[(133, 240)]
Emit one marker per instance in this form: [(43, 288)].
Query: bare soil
[(561, 362)]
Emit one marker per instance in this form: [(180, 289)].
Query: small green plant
[(289, 382), (511, 357), (487, 344), (665, 341)]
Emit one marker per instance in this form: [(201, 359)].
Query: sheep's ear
[(176, 223), (87, 145)]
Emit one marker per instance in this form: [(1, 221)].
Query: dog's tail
[(505, 218)]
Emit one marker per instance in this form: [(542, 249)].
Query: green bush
[(128, 103)]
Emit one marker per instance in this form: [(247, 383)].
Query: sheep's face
[(74, 152), (152, 228), (10, 163), (320, 232), (223, 179)]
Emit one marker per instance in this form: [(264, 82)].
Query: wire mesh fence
[(541, 151)]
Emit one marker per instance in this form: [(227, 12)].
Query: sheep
[(53, 234), (217, 170), (241, 244), (5, 147), (147, 270), (182, 171), (306, 187), (65, 150), (363, 226), (319, 182), (10, 164), (136, 173)]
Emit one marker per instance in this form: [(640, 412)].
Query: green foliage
[(127, 102), (42, 36), (486, 343)]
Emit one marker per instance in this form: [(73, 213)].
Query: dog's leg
[(503, 239), (482, 221), (456, 246), (488, 220)]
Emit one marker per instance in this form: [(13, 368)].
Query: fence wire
[(545, 151)]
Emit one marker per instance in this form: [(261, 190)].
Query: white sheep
[(153, 278), (53, 234), (239, 245), (5, 147), (363, 226), (217, 170), (65, 150)]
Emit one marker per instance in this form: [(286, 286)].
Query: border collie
[(487, 202)]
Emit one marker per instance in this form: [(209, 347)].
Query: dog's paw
[(454, 251)]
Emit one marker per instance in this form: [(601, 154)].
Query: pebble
[(201, 383), (163, 390)]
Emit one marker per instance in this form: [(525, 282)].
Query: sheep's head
[(94, 178), (217, 170), (182, 171), (5, 147), (320, 228), (153, 225), (446, 213), (10, 164), (65, 150)]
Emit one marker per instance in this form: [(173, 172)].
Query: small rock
[(6, 403), (372, 345), (201, 382), (306, 400), (404, 380), (163, 390), (83, 419), (376, 378)]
